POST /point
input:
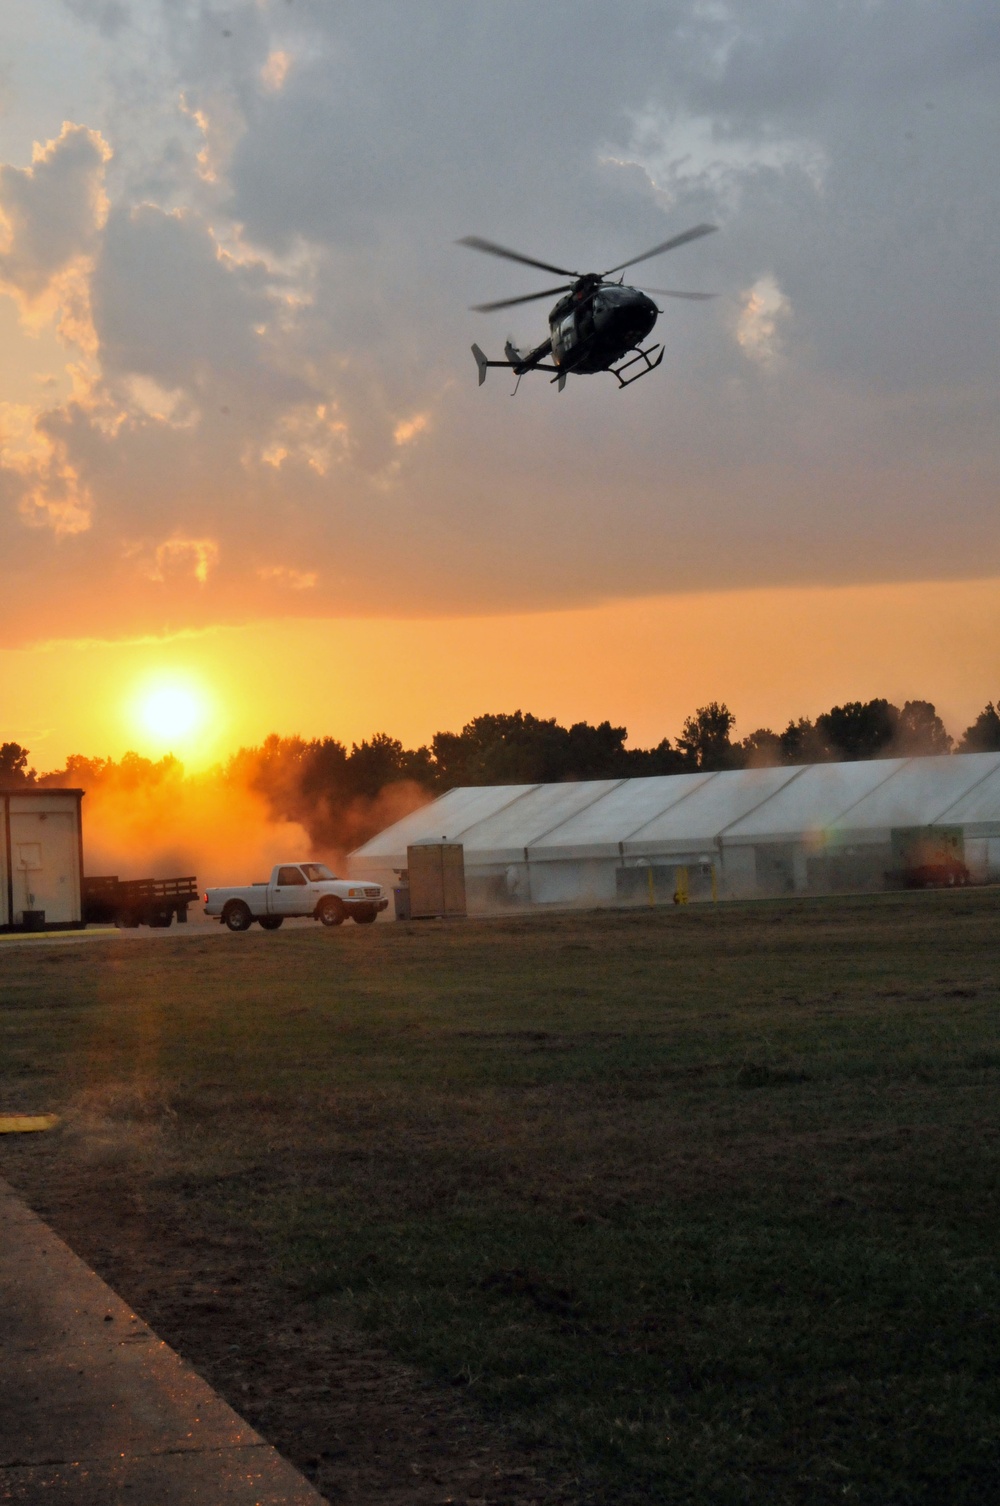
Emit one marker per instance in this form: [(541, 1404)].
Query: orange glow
[(770, 654), (171, 713)]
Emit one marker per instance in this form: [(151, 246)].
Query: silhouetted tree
[(859, 729), (705, 741), (14, 766), (384, 760), (984, 734), (648, 762), (761, 749), (920, 732), (802, 742), (518, 748)]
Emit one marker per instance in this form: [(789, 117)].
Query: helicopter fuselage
[(591, 329)]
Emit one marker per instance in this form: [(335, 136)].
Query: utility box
[(437, 879)]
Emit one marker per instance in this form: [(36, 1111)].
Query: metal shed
[(811, 828), (41, 859)]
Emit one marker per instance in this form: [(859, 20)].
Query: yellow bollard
[(652, 892), (681, 891)]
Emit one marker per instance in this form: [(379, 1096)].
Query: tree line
[(341, 797)]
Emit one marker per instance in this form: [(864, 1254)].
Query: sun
[(172, 714)]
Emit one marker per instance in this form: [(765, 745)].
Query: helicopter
[(596, 326)]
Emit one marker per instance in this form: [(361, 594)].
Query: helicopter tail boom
[(521, 363)]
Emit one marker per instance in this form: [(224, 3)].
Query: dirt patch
[(361, 1426)]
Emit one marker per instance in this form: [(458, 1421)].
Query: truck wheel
[(330, 911), (236, 916), (364, 918), (270, 922)]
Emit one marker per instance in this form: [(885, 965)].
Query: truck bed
[(108, 899)]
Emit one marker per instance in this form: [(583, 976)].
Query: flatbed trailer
[(108, 900)]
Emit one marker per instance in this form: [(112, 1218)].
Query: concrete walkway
[(96, 1410)]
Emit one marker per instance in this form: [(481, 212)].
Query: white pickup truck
[(308, 889)]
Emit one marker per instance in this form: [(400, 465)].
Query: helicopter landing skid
[(645, 357)]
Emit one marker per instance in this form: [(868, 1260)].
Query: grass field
[(684, 1206)]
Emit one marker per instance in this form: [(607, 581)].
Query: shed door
[(45, 865)]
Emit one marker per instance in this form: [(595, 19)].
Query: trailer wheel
[(270, 922), (236, 916), (161, 919), (330, 911), (125, 920)]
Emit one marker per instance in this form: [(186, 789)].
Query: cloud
[(268, 331), (683, 153), (284, 575), (49, 491), (52, 211), (275, 70), (757, 329), (196, 557), (109, 16), (408, 429)]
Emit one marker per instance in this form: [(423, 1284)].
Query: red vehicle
[(946, 872)]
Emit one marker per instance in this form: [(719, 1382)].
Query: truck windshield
[(316, 872)]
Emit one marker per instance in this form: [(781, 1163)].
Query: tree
[(518, 748), (803, 742), (984, 734), (383, 761), (920, 732), (762, 749), (14, 765), (859, 729), (705, 741), (648, 762)]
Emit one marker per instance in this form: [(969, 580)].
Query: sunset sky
[(248, 481)]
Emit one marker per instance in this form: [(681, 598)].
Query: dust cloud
[(229, 825), (181, 825)]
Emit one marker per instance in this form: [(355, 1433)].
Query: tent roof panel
[(708, 810), (449, 816), (812, 801), (979, 803), (597, 830), (917, 794), (503, 836)]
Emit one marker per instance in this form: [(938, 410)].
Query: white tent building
[(815, 828)]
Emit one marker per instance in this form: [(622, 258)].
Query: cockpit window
[(317, 872)]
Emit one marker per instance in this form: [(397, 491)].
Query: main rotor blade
[(672, 293), (677, 240), (506, 303), (476, 243)]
